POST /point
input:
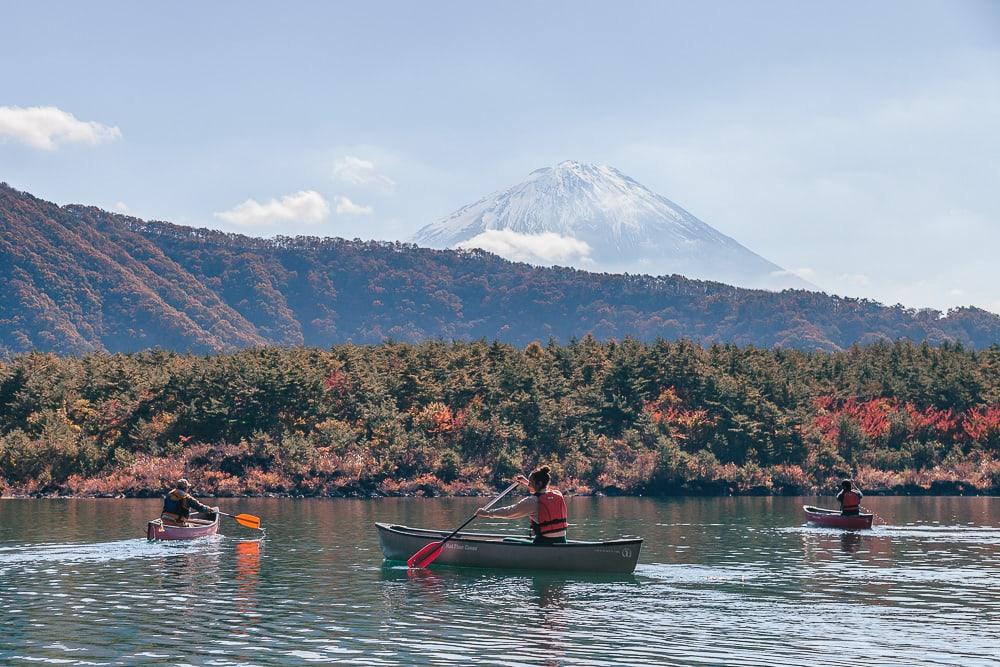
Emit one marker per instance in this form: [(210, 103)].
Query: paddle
[(248, 520), (430, 552)]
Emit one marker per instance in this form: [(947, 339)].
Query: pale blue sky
[(856, 142)]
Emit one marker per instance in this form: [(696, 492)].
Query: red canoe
[(834, 519), (158, 530)]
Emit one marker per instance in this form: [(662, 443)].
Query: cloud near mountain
[(303, 206), (545, 249), (347, 207)]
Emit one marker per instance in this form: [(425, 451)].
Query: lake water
[(738, 581)]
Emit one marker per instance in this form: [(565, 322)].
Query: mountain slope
[(626, 226), (69, 286), (75, 279)]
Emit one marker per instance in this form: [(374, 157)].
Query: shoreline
[(377, 495)]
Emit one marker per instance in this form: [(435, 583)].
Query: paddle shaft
[(471, 518)]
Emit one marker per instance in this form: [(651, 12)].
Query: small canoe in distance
[(501, 551), (834, 519), (158, 530)]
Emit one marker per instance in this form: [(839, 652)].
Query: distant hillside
[(76, 279)]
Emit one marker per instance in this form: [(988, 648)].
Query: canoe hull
[(156, 530), (833, 519), (491, 551)]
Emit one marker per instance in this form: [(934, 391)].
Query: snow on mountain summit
[(596, 218)]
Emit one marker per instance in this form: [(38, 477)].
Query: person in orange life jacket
[(177, 504), (850, 499), (546, 508)]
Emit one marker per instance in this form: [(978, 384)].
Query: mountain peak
[(582, 170), (597, 218)]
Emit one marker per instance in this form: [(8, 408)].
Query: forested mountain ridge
[(78, 279)]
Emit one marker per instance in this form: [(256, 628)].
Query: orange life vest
[(552, 515), (850, 502)]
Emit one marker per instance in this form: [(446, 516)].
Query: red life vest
[(552, 514), (850, 502)]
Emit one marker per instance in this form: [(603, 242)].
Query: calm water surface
[(737, 581)]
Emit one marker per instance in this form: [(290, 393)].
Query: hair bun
[(540, 477)]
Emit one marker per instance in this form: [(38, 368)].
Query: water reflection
[(549, 596), (247, 580), (429, 582), (549, 593), (189, 562), (849, 542)]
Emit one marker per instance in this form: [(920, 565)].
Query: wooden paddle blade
[(426, 555), (248, 520)]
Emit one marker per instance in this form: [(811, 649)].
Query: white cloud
[(303, 206), (546, 248), (346, 207), (46, 128), (358, 171), (122, 207), (805, 273)]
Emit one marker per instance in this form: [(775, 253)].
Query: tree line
[(454, 418)]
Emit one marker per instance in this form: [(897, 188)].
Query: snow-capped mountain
[(596, 218)]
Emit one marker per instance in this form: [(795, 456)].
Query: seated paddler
[(179, 503), (850, 498), (545, 507)]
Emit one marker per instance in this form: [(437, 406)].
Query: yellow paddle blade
[(248, 520)]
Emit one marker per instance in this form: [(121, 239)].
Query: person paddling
[(850, 499), (546, 508), (177, 504)]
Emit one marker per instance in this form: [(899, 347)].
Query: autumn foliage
[(76, 279), (437, 418)]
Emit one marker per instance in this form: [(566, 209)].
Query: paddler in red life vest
[(850, 499), (177, 504), (545, 506)]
